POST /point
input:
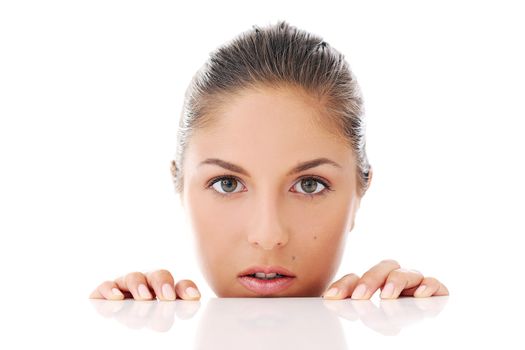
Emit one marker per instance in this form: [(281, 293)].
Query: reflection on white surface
[(305, 323), (156, 315)]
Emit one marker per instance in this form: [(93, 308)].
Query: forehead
[(281, 125)]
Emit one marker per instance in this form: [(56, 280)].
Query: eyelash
[(316, 178)]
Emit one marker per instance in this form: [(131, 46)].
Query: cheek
[(203, 220), (213, 225), (320, 235), (211, 217), (325, 218), (319, 259)]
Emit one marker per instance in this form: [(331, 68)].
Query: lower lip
[(265, 287)]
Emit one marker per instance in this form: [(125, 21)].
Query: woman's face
[(263, 213)]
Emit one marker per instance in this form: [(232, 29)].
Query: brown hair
[(276, 56)]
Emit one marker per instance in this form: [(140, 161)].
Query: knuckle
[(350, 276), (134, 277), (391, 262), (161, 275), (368, 282), (431, 281), (403, 270), (106, 284), (185, 282), (163, 272), (397, 275)]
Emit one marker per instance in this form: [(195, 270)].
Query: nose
[(267, 231)]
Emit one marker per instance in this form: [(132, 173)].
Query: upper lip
[(267, 269)]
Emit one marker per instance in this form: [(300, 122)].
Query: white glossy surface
[(306, 322), (263, 323)]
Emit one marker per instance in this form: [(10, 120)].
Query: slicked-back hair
[(276, 56)]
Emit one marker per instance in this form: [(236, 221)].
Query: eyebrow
[(297, 169)]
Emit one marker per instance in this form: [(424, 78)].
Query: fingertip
[(423, 291), (445, 289), (331, 293), (116, 294), (192, 293), (167, 291), (187, 290), (96, 294), (360, 292)]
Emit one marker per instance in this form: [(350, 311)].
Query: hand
[(392, 279), (141, 286)]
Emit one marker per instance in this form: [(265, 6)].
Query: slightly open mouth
[(266, 278), (263, 285)]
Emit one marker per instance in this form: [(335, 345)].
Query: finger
[(136, 284), (162, 283), (187, 290), (398, 280), (107, 290), (374, 278), (429, 286), (442, 290), (342, 288)]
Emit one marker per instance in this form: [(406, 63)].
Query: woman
[(271, 167)]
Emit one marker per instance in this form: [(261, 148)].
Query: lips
[(267, 269), (266, 287)]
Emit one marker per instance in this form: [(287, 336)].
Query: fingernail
[(359, 292), (144, 292), (192, 292), (419, 291), (167, 291), (330, 293), (116, 292), (388, 290)]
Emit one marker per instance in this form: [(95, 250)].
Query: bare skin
[(266, 216)]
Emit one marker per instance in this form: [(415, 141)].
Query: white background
[(90, 96)]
